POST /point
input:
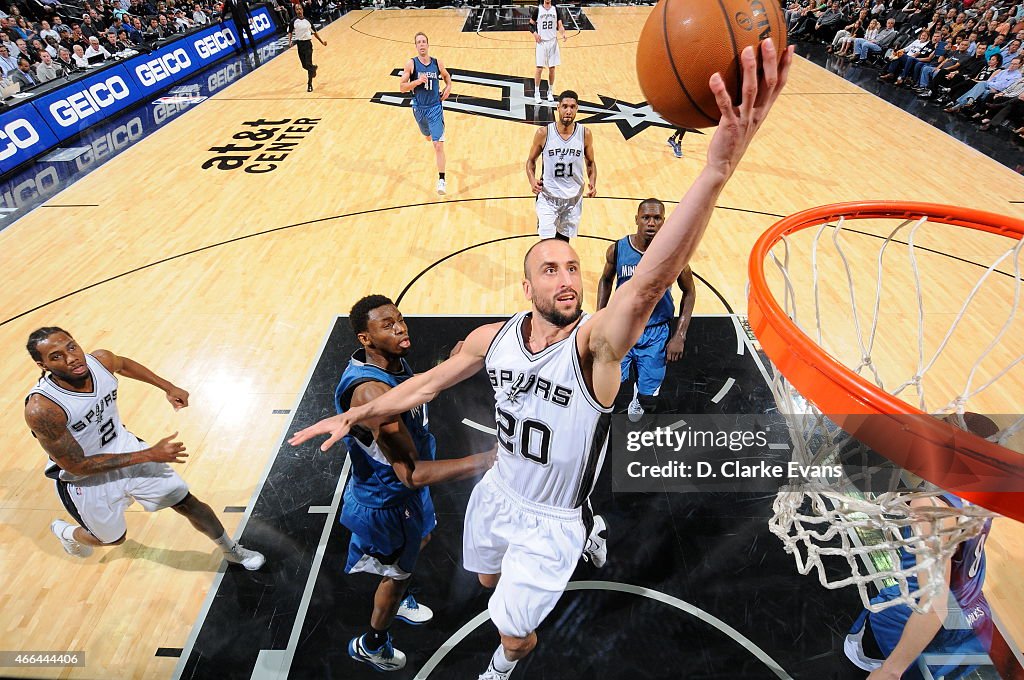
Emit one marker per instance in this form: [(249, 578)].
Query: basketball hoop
[(837, 415)]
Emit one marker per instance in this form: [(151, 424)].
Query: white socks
[(500, 663), (68, 533), (225, 542)]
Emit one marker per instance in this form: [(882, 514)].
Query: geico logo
[(42, 184), (260, 22), (214, 43), (81, 105), (120, 137), (165, 110), (155, 70), (18, 134), (222, 77)]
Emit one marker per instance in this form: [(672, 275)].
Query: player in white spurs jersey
[(99, 466), (555, 374), (545, 26), (566, 150)]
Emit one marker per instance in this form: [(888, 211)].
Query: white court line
[(779, 447), (319, 509), (741, 335), (275, 663), (186, 651), (435, 660), (725, 389), (678, 423), (477, 426)]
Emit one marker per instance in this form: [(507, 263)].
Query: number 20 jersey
[(552, 432), (93, 419)]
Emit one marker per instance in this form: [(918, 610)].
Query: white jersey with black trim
[(552, 432), (564, 170), (547, 22), (93, 419)]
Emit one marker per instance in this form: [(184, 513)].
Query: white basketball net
[(827, 521)]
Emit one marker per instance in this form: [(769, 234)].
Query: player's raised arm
[(415, 391), (136, 371), (617, 327)]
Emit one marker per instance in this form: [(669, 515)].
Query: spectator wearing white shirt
[(199, 16), (96, 49), (78, 55), (7, 62)]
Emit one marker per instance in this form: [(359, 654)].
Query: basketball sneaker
[(635, 411), (387, 658), (677, 147), (536, 97), (596, 550), (493, 674), (71, 547), (413, 612), (551, 96), (442, 189), (250, 559)]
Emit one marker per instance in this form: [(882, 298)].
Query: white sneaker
[(250, 559), (596, 550), (442, 188), (492, 674), (73, 548), (413, 612), (387, 658), (551, 97), (536, 100), (635, 410)]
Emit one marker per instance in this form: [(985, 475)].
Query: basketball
[(684, 43)]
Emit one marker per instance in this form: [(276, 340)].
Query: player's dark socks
[(375, 639), (649, 403), (440, 175), (561, 237), (309, 87)]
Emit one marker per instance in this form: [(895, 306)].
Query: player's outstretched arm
[(413, 392), (136, 371), (617, 328), (537, 146)]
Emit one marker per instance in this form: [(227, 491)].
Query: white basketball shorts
[(558, 214), (534, 547), (548, 54), (98, 502)]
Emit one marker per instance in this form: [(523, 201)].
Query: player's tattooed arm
[(49, 424)]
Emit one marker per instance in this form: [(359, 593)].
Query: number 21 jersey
[(552, 432), (563, 163)]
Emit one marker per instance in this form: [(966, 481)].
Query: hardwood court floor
[(224, 281)]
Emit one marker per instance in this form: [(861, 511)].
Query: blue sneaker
[(677, 147), (413, 612), (387, 658)]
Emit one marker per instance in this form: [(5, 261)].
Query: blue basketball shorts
[(647, 357), (431, 121), (386, 541)]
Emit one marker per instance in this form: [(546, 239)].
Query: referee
[(303, 34)]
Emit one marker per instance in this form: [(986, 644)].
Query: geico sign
[(81, 105), (155, 70), (214, 43), (258, 23), (18, 134)]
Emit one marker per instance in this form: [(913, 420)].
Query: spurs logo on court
[(511, 102)]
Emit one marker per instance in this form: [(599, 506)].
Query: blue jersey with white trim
[(428, 94), (373, 481), (627, 257)]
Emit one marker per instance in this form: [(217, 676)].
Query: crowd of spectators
[(42, 40), (964, 55)]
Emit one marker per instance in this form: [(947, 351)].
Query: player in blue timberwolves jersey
[(422, 76), (889, 643), (387, 503), (659, 343)]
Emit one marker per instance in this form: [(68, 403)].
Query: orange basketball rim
[(933, 449)]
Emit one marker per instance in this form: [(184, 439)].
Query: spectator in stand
[(949, 64), (863, 47), (844, 37), (199, 16), (12, 48), (1010, 51), (47, 69), (89, 29), (134, 31), (59, 26), (23, 75), (52, 46), (8, 64), (167, 29), (1012, 110), (182, 22), (65, 61), (95, 48), (78, 55), (77, 37), (904, 58), (109, 42), (996, 47), (45, 31), (999, 81), (37, 47), (124, 42)]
